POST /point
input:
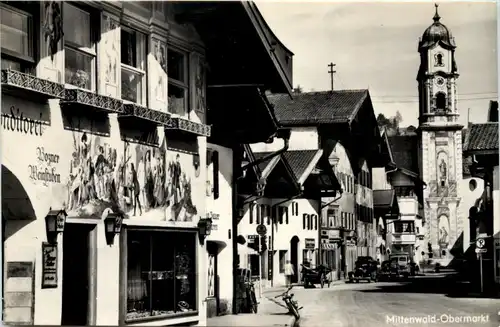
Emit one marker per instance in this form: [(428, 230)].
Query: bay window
[(17, 31), (161, 274), (133, 66), (178, 82), (79, 47)]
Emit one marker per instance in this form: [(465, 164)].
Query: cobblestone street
[(386, 304)]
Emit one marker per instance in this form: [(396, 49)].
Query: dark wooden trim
[(122, 291), (92, 263)]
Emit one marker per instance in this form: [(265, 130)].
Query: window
[(178, 82), (250, 212), (440, 101), (282, 254), (304, 220), (133, 63), (160, 263), (257, 214), (285, 209), (17, 39), (439, 60), (315, 222), (79, 48)]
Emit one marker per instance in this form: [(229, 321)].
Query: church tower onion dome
[(437, 33)]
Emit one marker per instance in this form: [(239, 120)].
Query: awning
[(385, 204)]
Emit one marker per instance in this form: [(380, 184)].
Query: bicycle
[(251, 297), (291, 305)]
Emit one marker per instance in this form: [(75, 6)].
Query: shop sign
[(310, 243), (49, 265), (16, 121), (44, 169), (334, 234), (214, 217), (251, 238)]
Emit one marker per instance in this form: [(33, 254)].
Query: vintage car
[(402, 263), (365, 268)]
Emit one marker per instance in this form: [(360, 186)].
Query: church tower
[(440, 139)]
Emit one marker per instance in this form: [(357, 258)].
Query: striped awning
[(328, 246)]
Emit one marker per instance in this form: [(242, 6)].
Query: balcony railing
[(403, 238)]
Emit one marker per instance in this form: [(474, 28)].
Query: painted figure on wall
[(443, 227), (179, 188), (91, 184), (110, 49), (159, 55), (443, 170), (52, 26), (145, 182), (200, 85)]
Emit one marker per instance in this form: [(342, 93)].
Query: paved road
[(389, 304)]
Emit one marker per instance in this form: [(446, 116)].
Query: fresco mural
[(95, 177), (182, 170), (444, 231), (144, 192)]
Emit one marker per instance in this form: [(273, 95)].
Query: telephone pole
[(331, 72)]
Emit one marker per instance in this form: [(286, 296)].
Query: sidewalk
[(269, 314)]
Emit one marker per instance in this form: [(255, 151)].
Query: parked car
[(365, 268)]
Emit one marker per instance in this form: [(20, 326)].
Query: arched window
[(440, 101), (439, 59)]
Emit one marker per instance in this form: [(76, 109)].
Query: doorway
[(78, 286), (294, 249)]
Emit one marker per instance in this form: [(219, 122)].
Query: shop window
[(282, 257), (79, 47), (133, 65), (17, 30), (160, 263), (178, 82)]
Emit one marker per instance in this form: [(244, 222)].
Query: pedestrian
[(289, 272)]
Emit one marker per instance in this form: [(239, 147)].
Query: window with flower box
[(161, 274), (178, 82), (17, 34), (133, 66), (80, 57)]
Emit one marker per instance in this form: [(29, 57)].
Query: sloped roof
[(405, 152), (482, 137), (327, 107), (299, 160)]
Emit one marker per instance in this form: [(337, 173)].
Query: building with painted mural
[(346, 130), (104, 186), (289, 208)]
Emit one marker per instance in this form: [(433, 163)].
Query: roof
[(383, 198), (405, 152), (262, 165), (300, 161), (327, 107), (482, 137), (437, 33)]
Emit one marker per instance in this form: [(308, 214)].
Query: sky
[(374, 46)]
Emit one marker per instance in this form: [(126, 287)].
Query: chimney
[(493, 112)]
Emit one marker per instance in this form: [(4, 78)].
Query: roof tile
[(482, 137), (325, 107), (298, 160), (405, 151)]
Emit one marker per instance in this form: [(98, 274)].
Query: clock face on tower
[(440, 81)]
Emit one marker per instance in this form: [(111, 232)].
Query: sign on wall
[(49, 265), (19, 295), (310, 243)]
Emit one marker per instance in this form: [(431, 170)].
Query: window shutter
[(268, 212), (316, 222), (286, 214), (263, 213), (273, 214), (257, 214), (250, 209), (280, 214), (304, 220), (309, 225), (215, 163)]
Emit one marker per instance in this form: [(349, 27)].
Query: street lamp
[(204, 228), (112, 225), (54, 224)]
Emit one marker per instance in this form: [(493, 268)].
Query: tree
[(391, 125), (298, 89)]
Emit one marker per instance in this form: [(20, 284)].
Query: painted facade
[(296, 231), (56, 155)]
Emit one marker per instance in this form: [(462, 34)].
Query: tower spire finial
[(436, 15)]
